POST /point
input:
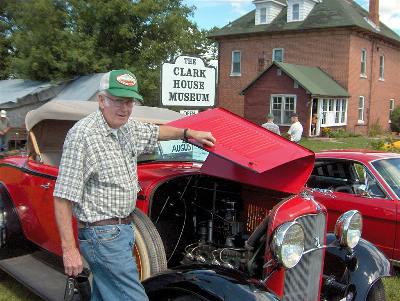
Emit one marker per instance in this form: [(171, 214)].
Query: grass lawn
[(10, 290), (337, 143)]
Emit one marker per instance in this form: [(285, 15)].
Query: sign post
[(188, 83)]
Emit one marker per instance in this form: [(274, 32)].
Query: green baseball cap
[(120, 83)]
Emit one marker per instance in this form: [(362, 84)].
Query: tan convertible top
[(76, 110)]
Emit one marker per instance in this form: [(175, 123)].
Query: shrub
[(375, 129), (325, 132), (395, 120)]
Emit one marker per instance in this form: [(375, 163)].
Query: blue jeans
[(108, 251), (3, 143)]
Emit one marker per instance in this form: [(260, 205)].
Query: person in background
[(314, 121), (4, 128), (296, 129), (98, 183), (270, 125)]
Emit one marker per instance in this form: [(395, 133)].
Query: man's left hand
[(205, 138)]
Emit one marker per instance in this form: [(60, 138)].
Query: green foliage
[(325, 132), (375, 129), (395, 120), (58, 39), (5, 44), (378, 144)]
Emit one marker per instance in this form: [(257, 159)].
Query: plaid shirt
[(98, 169)]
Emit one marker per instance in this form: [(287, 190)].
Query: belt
[(109, 221)]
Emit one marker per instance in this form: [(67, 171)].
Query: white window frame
[(263, 13), (363, 66), (284, 97), (298, 16), (240, 63), (382, 67), (332, 109), (391, 108), (361, 108), (283, 54)]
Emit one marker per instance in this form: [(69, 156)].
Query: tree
[(61, 39), (5, 44), (395, 120)]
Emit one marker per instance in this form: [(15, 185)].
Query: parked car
[(367, 181), (232, 222)]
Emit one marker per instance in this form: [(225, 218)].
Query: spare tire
[(149, 248)]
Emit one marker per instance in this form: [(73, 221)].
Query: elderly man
[(4, 128), (296, 129), (98, 183), (270, 125)]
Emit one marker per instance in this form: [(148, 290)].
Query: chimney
[(374, 11)]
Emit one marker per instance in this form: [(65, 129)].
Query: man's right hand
[(72, 261)]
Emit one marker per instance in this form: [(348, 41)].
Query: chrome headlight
[(348, 228), (288, 244)]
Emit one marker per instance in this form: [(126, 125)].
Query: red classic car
[(231, 223), (368, 181)]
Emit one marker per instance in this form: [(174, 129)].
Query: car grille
[(303, 281)]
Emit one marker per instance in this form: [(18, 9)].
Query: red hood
[(248, 153)]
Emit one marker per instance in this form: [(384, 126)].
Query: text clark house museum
[(326, 57)]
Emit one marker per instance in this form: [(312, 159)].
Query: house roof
[(14, 90), (325, 15), (312, 79), (81, 88)]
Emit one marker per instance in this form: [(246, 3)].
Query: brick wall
[(377, 92), (336, 51), (257, 99), (328, 49)]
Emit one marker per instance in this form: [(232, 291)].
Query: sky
[(209, 13)]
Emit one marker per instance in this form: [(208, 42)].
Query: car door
[(362, 192), (40, 189)]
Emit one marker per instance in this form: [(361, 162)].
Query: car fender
[(210, 282), (371, 265)]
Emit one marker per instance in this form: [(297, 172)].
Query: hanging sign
[(188, 112), (188, 83)]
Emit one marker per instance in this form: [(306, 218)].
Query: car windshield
[(389, 169), (175, 150)]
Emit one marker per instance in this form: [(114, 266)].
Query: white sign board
[(188, 112), (188, 83)]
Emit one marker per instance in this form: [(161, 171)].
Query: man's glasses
[(119, 102)]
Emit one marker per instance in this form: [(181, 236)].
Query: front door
[(315, 125)]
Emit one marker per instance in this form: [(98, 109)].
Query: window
[(263, 15), (382, 67), (363, 63), (296, 85), (361, 103), (277, 54), (282, 106), (236, 56), (391, 108), (333, 112), (279, 72), (296, 12)]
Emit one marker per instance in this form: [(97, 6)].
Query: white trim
[(363, 60), (328, 114), (382, 67), (391, 107), (298, 11), (283, 54), (361, 121), (283, 96), (240, 63)]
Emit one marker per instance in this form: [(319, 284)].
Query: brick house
[(345, 41)]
